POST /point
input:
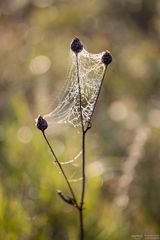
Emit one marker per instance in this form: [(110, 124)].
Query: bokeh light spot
[(122, 201), (24, 134), (43, 3), (95, 169), (154, 118), (40, 64), (118, 111)]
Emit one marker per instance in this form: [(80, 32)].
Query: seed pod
[(41, 124), (106, 58), (67, 199), (76, 45)]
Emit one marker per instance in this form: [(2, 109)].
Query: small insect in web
[(89, 69)]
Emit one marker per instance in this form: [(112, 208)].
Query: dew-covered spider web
[(84, 78), (91, 72)]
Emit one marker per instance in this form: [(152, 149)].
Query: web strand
[(72, 160), (75, 180), (91, 70)]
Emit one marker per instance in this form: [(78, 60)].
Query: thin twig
[(61, 169), (42, 124), (84, 131), (89, 122), (83, 156)]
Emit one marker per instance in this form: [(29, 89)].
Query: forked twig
[(42, 125), (83, 154), (77, 47)]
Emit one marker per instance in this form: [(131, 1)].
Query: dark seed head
[(106, 58), (76, 45), (67, 199), (41, 124)]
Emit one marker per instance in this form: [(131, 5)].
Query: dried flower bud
[(67, 199), (41, 123), (76, 45), (106, 58)]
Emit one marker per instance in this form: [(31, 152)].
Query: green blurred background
[(123, 146)]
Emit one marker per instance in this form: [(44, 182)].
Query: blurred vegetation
[(123, 154)]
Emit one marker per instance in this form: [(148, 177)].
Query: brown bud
[(106, 58), (67, 199), (76, 45), (41, 124)]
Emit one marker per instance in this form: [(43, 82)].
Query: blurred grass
[(122, 199)]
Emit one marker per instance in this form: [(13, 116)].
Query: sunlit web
[(81, 90), (91, 71)]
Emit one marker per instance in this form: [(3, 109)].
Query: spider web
[(91, 71)]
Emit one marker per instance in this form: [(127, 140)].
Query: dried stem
[(84, 131), (61, 169), (83, 156), (76, 47), (89, 122)]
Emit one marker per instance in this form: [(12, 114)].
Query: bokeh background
[(123, 146)]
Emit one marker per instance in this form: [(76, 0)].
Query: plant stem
[(85, 126), (83, 156), (83, 185), (84, 131), (61, 169), (81, 224)]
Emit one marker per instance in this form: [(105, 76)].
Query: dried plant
[(76, 107)]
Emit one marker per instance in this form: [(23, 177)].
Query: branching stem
[(84, 129), (89, 122), (83, 155), (42, 124)]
